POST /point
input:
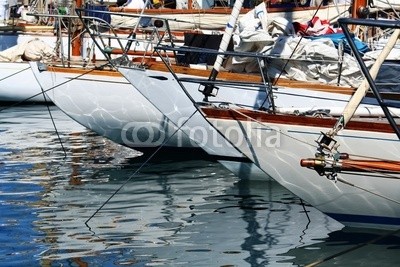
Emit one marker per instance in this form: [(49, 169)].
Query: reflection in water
[(173, 212), (350, 247), (192, 212)]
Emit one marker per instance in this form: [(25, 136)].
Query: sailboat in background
[(196, 15)]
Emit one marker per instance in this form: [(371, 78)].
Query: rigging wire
[(304, 231), (51, 118), (367, 190), (304, 209), (54, 124)]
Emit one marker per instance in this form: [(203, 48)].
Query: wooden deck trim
[(264, 117), (228, 76), (80, 71)]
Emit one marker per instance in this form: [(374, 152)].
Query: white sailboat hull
[(278, 148), (161, 89), (109, 106)]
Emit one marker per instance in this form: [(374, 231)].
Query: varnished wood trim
[(264, 117), (253, 78), (223, 75), (227, 76), (356, 165), (80, 71)]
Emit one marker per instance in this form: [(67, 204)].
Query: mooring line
[(304, 209), (51, 117), (53, 122), (48, 106), (138, 169)]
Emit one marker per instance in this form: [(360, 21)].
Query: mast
[(76, 40), (226, 38), (359, 9)]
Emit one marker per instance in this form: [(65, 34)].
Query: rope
[(366, 190), (54, 124)]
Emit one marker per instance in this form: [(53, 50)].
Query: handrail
[(96, 26)]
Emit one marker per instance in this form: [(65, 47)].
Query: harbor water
[(69, 197)]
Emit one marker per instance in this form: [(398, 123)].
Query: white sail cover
[(292, 56), (34, 50)]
